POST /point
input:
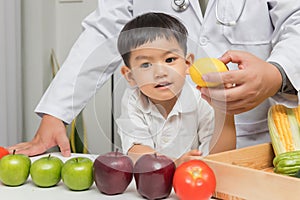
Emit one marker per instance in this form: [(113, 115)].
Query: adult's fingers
[(234, 107), (64, 145), (27, 148), (229, 78), (235, 92), (18, 147), (235, 57)]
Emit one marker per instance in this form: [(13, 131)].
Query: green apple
[(14, 169), (45, 172), (77, 173)]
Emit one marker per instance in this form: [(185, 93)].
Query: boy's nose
[(160, 70)]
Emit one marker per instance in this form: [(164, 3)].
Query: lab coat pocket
[(247, 24)]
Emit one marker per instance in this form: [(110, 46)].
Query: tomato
[(194, 180), (3, 152)]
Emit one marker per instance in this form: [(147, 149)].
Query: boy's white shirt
[(189, 125)]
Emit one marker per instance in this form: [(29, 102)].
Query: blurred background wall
[(29, 29)]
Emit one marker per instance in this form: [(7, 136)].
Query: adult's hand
[(51, 132), (255, 81)]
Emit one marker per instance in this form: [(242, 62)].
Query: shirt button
[(203, 41)]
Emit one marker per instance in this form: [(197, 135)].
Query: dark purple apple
[(113, 172), (153, 175)]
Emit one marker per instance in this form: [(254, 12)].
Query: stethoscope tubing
[(182, 5), (230, 23)]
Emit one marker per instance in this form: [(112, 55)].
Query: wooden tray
[(247, 173)]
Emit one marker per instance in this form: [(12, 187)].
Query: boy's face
[(158, 69)]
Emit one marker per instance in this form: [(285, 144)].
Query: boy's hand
[(51, 132), (191, 155)]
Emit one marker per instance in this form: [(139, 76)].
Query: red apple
[(153, 175), (113, 172)]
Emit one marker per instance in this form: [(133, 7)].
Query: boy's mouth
[(164, 84)]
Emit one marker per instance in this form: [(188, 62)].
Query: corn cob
[(297, 114), (283, 127)]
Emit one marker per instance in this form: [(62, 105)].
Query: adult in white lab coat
[(268, 30)]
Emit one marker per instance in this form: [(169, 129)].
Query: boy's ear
[(126, 72), (189, 61)]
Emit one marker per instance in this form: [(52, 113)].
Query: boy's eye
[(169, 60), (146, 65)]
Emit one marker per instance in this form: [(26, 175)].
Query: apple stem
[(49, 156), (155, 154), (116, 152), (14, 151)]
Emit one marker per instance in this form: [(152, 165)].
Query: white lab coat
[(269, 29)]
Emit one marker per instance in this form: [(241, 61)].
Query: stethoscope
[(182, 5)]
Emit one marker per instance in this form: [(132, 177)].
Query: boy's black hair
[(147, 28)]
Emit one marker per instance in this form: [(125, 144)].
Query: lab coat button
[(165, 140), (203, 41)]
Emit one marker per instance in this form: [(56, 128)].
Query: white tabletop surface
[(60, 192)]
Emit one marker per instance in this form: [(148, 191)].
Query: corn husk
[(284, 128)]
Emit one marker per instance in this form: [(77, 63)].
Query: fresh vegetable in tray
[(287, 163), (284, 127)]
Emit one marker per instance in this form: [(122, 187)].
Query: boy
[(161, 112)]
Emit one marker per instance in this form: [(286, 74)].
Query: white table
[(60, 192)]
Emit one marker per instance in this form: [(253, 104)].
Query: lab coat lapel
[(196, 7), (209, 6)]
